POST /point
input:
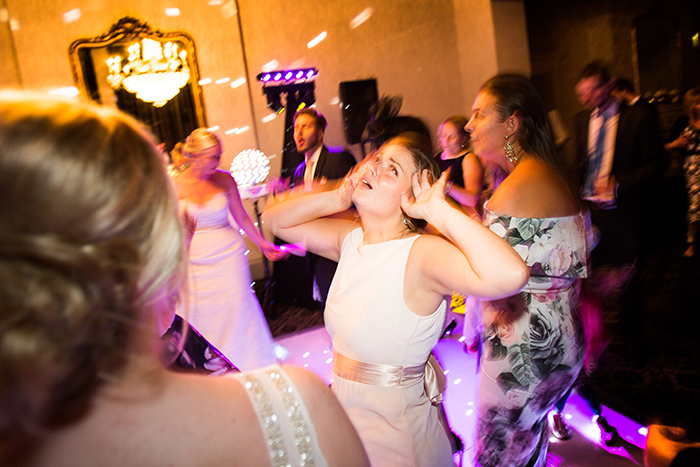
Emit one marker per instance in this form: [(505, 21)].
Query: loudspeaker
[(356, 99)]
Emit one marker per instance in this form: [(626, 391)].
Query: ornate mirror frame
[(170, 123)]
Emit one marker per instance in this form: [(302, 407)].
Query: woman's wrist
[(438, 213), (448, 187)]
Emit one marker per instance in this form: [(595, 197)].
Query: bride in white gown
[(221, 303)]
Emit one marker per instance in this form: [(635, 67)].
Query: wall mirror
[(149, 74)]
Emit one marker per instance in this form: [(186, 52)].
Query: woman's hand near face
[(427, 197), (345, 191)]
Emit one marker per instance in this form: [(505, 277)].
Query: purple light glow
[(309, 73), (278, 77), (266, 78), (288, 75), (300, 73)]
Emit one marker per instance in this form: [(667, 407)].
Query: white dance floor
[(312, 349)]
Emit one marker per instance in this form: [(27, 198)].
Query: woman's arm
[(473, 179), (235, 205), (477, 262), (679, 143), (302, 217)]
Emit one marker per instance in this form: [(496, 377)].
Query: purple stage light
[(285, 77)]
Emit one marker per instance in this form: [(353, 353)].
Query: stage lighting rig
[(296, 85), (284, 77), (289, 90)]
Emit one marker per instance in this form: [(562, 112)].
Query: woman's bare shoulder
[(471, 160), (533, 190), (223, 179)]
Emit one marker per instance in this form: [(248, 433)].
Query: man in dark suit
[(619, 162), (623, 91), (320, 165)]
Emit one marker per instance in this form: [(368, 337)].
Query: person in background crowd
[(623, 91), (618, 165), (466, 172), (320, 166), (689, 143)]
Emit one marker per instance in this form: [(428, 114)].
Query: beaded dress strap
[(289, 433)]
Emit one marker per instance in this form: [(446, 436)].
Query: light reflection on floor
[(312, 349)]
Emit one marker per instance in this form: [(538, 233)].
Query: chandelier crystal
[(154, 72)]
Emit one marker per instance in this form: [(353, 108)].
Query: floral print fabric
[(532, 342), (691, 168)]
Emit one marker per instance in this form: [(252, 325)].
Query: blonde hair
[(90, 248), (200, 140)]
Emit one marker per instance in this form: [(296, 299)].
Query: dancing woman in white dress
[(222, 305), (386, 305)]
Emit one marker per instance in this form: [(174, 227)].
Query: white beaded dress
[(284, 419)]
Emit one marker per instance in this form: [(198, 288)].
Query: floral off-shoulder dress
[(533, 342)]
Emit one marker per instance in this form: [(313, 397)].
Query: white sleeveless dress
[(369, 321), (222, 305), (284, 419)]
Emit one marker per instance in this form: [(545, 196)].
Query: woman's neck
[(382, 230), (142, 376)]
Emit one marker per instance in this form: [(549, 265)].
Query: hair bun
[(66, 312)]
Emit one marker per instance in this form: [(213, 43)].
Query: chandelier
[(153, 71)]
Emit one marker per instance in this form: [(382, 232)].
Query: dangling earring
[(510, 151)]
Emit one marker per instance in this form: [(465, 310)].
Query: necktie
[(309, 173), (596, 159)]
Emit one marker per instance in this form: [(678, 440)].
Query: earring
[(510, 151)]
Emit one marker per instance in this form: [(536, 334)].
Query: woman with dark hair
[(92, 254), (385, 123), (532, 342), (386, 305)]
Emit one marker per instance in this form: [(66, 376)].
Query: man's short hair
[(595, 68), (623, 84), (318, 117)]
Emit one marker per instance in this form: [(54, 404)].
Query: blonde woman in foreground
[(91, 253)]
